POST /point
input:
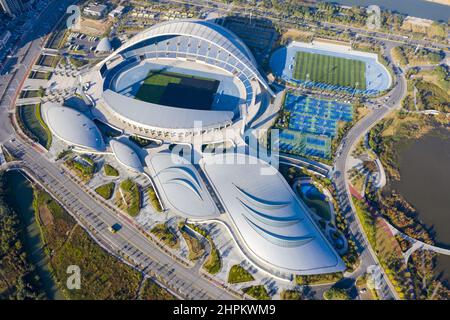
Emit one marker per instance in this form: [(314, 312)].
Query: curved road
[(368, 256)]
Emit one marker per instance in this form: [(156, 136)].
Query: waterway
[(425, 183), (20, 194), (417, 8)]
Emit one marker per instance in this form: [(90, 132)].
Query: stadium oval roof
[(270, 220), (104, 45), (126, 156), (157, 116), (208, 31), (74, 128)]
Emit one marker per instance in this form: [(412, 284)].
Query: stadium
[(161, 84), (177, 79)]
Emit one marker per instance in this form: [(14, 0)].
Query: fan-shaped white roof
[(271, 221)]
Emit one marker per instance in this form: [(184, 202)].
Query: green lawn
[(155, 85), (34, 126), (329, 69), (195, 247), (213, 263), (238, 274), (106, 190), (154, 199), (110, 170), (129, 199), (163, 233), (258, 292)]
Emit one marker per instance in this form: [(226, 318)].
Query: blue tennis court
[(316, 116), (312, 125), (306, 144)]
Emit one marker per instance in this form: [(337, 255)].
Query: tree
[(336, 294)]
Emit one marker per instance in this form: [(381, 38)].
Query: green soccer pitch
[(331, 70)]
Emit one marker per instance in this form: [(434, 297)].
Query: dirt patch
[(45, 216), (296, 35), (95, 27)]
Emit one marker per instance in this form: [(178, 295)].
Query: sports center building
[(167, 79), (159, 85)]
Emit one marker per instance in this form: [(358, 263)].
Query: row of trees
[(18, 277)]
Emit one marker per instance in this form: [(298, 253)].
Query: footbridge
[(416, 244)]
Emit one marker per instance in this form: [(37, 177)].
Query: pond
[(20, 194), (425, 183), (315, 200)]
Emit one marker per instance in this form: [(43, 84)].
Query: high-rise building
[(12, 7)]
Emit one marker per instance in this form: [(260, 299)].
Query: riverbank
[(53, 242), (19, 195), (18, 277), (414, 199)]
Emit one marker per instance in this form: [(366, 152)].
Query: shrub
[(154, 199), (319, 278), (336, 294)]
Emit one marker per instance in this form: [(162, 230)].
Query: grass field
[(178, 90), (330, 70), (30, 116)]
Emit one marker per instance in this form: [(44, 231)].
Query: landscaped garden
[(84, 167), (315, 200), (213, 263), (238, 274), (129, 197), (194, 245), (163, 233), (154, 199), (110, 170), (258, 292), (106, 191), (32, 124)]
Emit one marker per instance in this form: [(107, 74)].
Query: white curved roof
[(104, 45), (271, 221), (155, 116), (181, 186), (205, 30), (74, 127), (126, 156)]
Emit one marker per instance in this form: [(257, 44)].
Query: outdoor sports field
[(329, 69), (178, 90)]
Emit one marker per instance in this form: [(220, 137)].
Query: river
[(20, 195), (417, 8), (425, 183)]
